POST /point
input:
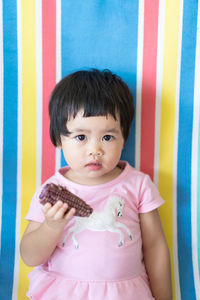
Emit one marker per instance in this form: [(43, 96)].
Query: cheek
[(117, 148), (70, 154), (115, 152), (73, 161)]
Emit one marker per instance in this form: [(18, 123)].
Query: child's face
[(93, 148)]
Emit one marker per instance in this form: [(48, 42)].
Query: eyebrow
[(110, 130)]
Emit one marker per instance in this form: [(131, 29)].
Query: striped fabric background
[(155, 47)]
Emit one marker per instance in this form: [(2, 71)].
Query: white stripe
[(159, 78), (1, 115), (139, 83), (58, 159), (38, 20), (19, 157), (58, 40), (175, 242), (195, 143), (58, 64)]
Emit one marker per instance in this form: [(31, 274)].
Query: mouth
[(94, 166)]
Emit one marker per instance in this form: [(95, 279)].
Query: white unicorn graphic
[(102, 221)]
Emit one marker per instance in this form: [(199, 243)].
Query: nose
[(96, 154), (95, 150)]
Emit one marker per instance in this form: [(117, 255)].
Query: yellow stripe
[(28, 124), (167, 129)]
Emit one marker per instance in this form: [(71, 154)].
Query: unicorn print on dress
[(102, 221)]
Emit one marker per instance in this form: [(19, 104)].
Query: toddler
[(119, 252)]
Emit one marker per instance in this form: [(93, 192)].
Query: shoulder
[(131, 174), (57, 178), (141, 188)]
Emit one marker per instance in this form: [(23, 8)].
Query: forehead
[(100, 123)]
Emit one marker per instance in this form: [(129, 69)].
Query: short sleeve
[(149, 197), (35, 210)]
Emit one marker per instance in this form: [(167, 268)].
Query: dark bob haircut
[(98, 93)]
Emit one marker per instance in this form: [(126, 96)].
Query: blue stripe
[(9, 148), (102, 35), (189, 29)]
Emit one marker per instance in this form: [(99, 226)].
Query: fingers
[(70, 214), (57, 211), (46, 207)]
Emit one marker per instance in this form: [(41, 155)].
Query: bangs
[(94, 107)]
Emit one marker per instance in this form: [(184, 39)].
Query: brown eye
[(108, 137), (81, 137)]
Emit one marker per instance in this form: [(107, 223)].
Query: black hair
[(98, 93)]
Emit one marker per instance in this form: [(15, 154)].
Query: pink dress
[(102, 257)]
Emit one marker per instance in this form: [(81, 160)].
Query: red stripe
[(49, 81), (149, 86)]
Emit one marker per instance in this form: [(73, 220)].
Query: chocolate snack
[(52, 193)]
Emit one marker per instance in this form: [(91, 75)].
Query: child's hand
[(55, 217)]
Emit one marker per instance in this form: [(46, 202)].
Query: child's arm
[(156, 255), (40, 239)]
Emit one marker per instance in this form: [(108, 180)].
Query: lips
[(94, 166)]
